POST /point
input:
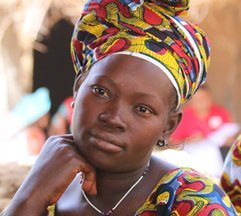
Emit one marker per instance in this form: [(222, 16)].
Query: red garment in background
[(192, 126)]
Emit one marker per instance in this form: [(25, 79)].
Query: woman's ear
[(173, 121)]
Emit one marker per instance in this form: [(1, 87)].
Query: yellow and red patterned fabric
[(184, 192), (231, 178), (149, 29)]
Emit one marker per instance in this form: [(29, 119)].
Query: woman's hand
[(56, 167)]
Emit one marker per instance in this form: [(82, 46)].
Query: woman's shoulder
[(182, 179), (182, 175), (170, 173), (183, 191)]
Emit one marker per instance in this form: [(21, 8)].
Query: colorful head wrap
[(148, 29)]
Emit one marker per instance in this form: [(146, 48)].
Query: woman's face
[(122, 108)]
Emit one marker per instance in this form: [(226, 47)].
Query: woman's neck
[(118, 183), (114, 188)]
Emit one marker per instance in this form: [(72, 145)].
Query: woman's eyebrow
[(103, 78)]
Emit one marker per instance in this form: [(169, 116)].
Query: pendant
[(106, 214)]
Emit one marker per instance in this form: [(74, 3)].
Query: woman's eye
[(100, 91), (144, 110)]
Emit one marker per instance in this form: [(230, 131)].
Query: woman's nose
[(112, 118)]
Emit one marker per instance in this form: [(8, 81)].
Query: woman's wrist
[(25, 205)]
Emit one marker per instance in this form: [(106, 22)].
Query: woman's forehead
[(135, 73), (125, 66)]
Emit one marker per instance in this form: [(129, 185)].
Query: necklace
[(118, 203)]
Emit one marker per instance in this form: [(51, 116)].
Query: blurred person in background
[(231, 176), (205, 127), (61, 120), (24, 130)]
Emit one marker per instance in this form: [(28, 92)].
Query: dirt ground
[(11, 176)]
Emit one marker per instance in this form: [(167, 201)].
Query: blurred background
[(36, 73)]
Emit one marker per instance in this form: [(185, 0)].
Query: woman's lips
[(105, 145)]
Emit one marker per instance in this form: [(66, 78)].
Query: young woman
[(136, 63)]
